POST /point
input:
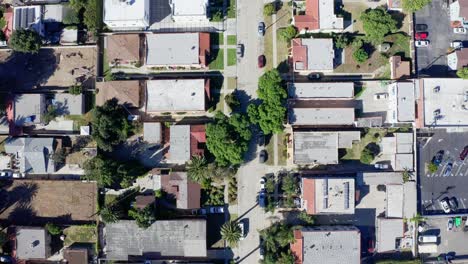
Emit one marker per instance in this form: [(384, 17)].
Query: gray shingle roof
[(179, 149), (321, 90), (31, 243), (33, 154), (176, 238)]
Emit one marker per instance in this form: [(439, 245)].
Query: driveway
[(432, 61), (453, 241), (434, 186)]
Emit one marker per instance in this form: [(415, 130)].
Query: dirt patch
[(375, 61), (29, 202), (54, 68)]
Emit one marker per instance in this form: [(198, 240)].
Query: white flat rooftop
[(321, 116), (173, 49), (189, 7), (321, 90), (117, 10), (175, 95)]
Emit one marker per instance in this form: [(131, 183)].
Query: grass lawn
[(268, 44), (79, 120), (232, 57), (271, 153), (80, 234), (232, 40), (231, 12), (355, 9), (231, 83), (110, 198), (282, 149), (217, 59), (400, 45), (2, 143), (354, 153), (216, 39), (282, 47), (220, 104), (375, 61)]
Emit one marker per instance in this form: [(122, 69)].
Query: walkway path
[(275, 64)]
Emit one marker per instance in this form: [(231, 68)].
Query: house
[(186, 192), (188, 11), (394, 5), (32, 155), (76, 255), (444, 102), (332, 244), (459, 13), (399, 69), (324, 195), (398, 150), (69, 104), (186, 141), (122, 49), (28, 109), (321, 90), (402, 102), (190, 50), (313, 55), (32, 243), (177, 95), (316, 16), (127, 14), (389, 234), (321, 147), (126, 92), (321, 116), (458, 59), (55, 13), (152, 132), (28, 17), (144, 200), (164, 239), (394, 198)]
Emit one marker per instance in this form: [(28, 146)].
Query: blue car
[(438, 158), (262, 199)]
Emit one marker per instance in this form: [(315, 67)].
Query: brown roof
[(399, 69), (299, 54), (186, 192), (127, 92), (197, 140), (142, 201), (308, 193), (462, 57), (296, 247), (76, 256), (123, 47), (204, 44), (310, 20)]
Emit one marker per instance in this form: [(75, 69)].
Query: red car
[(421, 35), (261, 61), (464, 153)]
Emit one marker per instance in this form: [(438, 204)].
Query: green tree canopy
[(90, 15), (25, 40), (197, 169), (75, 89), (71, 17), (269, 9), (108, 215), (277, 239), (53, 229), (414, 5), (144, 218), (227, 138), (360, 55), (231, 233), (270, 114), (377, 23), (463, 73), (287, 33), (110, 125)]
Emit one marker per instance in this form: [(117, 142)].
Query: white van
[(427, 239)]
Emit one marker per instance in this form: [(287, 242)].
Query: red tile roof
[(309, 21), (308, 194), (299, 53), (296, 247), (197, 140), (204, 44)]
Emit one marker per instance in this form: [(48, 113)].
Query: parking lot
[(435, 186), (432, 60), (451, 242)]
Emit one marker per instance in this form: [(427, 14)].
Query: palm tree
[(231, 232), (197, 169), (286, 258), (108, 215), (417, 218)]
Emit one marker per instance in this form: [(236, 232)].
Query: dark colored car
[(421, 27), (263, 156), (438, 158), (240, 50), (420, 35), (261, 61), (262, 199), (464, 153), (314, 76), (453, 204), (448, 170), (261, 29), (262, 249)]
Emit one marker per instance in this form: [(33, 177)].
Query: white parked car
[(381, 166), (18, 175), (459, 30), (445, 205), (262, 183), (421, 43), (456, 44), (242, 228), (6, 174), (380, 96)]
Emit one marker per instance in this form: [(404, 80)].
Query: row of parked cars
[(10, 174), (421, 36), (449, 205)]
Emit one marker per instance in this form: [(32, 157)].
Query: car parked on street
[(240, 50), (313, 76), (261, 61), (459, 30), (438, 158), (444, 203), (421, 35), (448, 170), (217, 210), (262, 183), (263, 157), (464, 153), (242, 228), (453, 204), (450, 224), (262, 199), (421, 43), (261, 248), (261, 29), (6, 174), (456, 44), (421, 27)]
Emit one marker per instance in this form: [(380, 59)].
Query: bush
[(306, 218), (90, 15), (414, 5), (288, 33), (50, 114), (232, 190), (232, 101), (75, 89), (217, 16), (53, 229), (431, 167), (366, 156), (360, 55), (342, 40), (463, 73), (377, 23), (269, 9), (25, 41)]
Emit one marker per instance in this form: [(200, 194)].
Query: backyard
[(80, 234), (283, 16), (373, 135)]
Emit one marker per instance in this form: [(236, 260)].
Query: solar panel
[(346, 195)]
